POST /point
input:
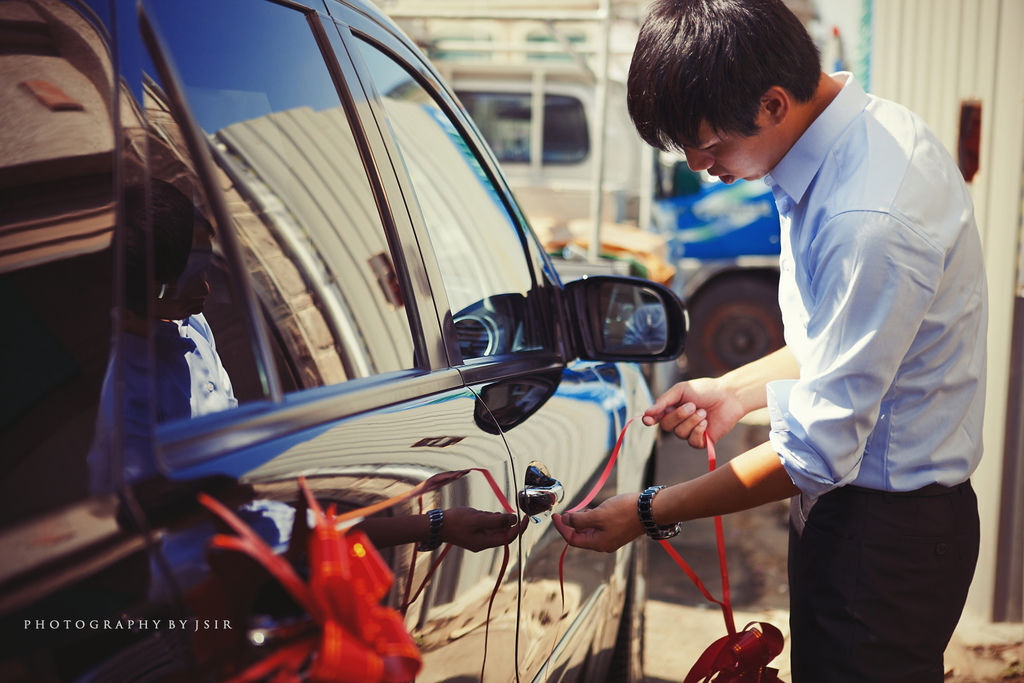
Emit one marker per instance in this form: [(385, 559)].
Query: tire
[(627, 665), (734, 320)]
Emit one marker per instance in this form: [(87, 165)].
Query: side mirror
[(626, 318)]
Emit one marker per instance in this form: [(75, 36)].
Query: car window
[(505, 120), (312, 235), (480, 250)]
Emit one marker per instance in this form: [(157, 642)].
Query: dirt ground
[(681, 623)]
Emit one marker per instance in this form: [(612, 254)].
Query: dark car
[(247, 244)]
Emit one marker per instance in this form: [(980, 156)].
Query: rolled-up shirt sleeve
[(866, 284)]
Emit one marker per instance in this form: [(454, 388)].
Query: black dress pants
[(878, 582)]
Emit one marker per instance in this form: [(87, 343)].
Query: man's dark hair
[(712, 60), (173, 217)]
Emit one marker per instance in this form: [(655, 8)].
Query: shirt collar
[(793, 174)]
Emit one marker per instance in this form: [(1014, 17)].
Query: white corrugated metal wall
[(930, 55)]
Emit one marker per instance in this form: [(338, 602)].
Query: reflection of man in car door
[(188, 377)]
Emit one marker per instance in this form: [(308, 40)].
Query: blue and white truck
[(724, 242)]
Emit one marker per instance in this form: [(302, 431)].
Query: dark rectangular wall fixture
[(969, 144)]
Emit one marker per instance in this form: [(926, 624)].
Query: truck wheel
[(733, 321)]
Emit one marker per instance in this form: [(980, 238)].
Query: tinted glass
[(478, 245), (566, 140), (312, 235), (57, 219), (505, 120)]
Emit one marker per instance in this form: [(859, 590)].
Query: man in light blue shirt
[(877, 400), (884, 305)]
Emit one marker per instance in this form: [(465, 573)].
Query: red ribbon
[(362, 641), (738, 657), (725, 603), (589, 497)]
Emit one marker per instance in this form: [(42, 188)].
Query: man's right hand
[(696, 410)]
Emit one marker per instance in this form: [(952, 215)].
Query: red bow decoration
[(741, 657), (360, 641)]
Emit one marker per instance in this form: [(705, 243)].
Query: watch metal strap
[(644, 508), (436, 520)]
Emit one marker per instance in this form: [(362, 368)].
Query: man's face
[(730, 156)]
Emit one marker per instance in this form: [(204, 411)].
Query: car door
[(505, 332), (326, 332)]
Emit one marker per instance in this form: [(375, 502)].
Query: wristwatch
[(644, 508), (436, 520)]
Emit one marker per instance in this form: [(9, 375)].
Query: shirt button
[(941, 548), (210, 387)]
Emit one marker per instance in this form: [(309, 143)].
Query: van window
[(312, 234), (479, 247), (505, 120)]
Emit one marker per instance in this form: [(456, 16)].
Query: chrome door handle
[(540, 492)]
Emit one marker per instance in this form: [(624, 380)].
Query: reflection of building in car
[(56, 228)]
